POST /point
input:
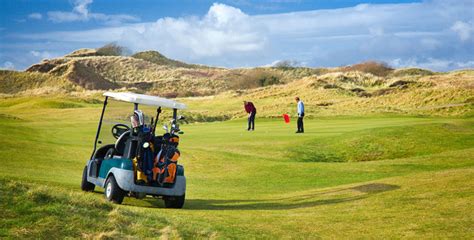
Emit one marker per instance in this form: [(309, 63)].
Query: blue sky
[(434, 34)]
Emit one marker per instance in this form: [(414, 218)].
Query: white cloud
[(8, 66), (35, 16), (433, 32), (41, 54), (227, 36), (431, 63), (80, 12), (224, 30), (99, 35), (376, 31), (430, 43), (463, 29)]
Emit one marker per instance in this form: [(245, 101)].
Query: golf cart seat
[(102, 152), (121, 142), (98, 157), (126, 145), (109, 151)]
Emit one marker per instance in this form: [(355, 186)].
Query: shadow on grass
[(302, 201)]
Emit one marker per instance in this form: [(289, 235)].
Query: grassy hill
[(13, 82), (158, 58), (153, 73), (360, 89), (352, 94)]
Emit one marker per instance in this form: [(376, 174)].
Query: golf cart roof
[(145, 99)]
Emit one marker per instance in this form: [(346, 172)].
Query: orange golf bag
[(166, 161)]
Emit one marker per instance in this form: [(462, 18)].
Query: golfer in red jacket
[(252, 111)]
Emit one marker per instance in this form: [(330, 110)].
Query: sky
[(432, 34)]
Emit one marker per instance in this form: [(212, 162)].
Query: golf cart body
[(122, 170), (112, 165)]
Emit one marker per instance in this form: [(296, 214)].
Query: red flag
[(287, 118)]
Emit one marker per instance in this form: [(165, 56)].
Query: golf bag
[(166, 161), (143, 162)]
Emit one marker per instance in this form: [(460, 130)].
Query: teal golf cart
[(129, 158)]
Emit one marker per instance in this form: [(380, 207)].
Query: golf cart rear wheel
[(112, 191), (85, 185), (174, 202)]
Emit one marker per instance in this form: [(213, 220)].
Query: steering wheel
[(119, 129)]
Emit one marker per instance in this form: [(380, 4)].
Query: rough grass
[(37, 211), (12, 82), (376, 68), (411, 72), (353, 94), (83, 52), (158, 58)]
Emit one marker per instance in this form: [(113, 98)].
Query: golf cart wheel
[(112, 191), (85, 185), (174, 202)]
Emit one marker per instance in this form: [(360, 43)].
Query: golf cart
[(132, 160)]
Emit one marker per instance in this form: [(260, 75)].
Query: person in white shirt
[(300, 115)]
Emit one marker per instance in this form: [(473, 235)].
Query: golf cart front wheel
[(174, 202), (85, 185), (112, 191)]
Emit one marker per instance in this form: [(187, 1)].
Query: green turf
[(364, 177)]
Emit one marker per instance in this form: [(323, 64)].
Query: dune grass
[(12, 82), (374, 177)]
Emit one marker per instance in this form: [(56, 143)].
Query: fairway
[(345, 177)]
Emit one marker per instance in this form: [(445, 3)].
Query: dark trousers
[(251, 121), (300, 124)]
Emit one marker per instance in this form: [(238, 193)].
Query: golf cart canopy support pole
[(158, 111), (100, 125)]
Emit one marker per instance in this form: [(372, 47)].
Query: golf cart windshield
[(117, 120)]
